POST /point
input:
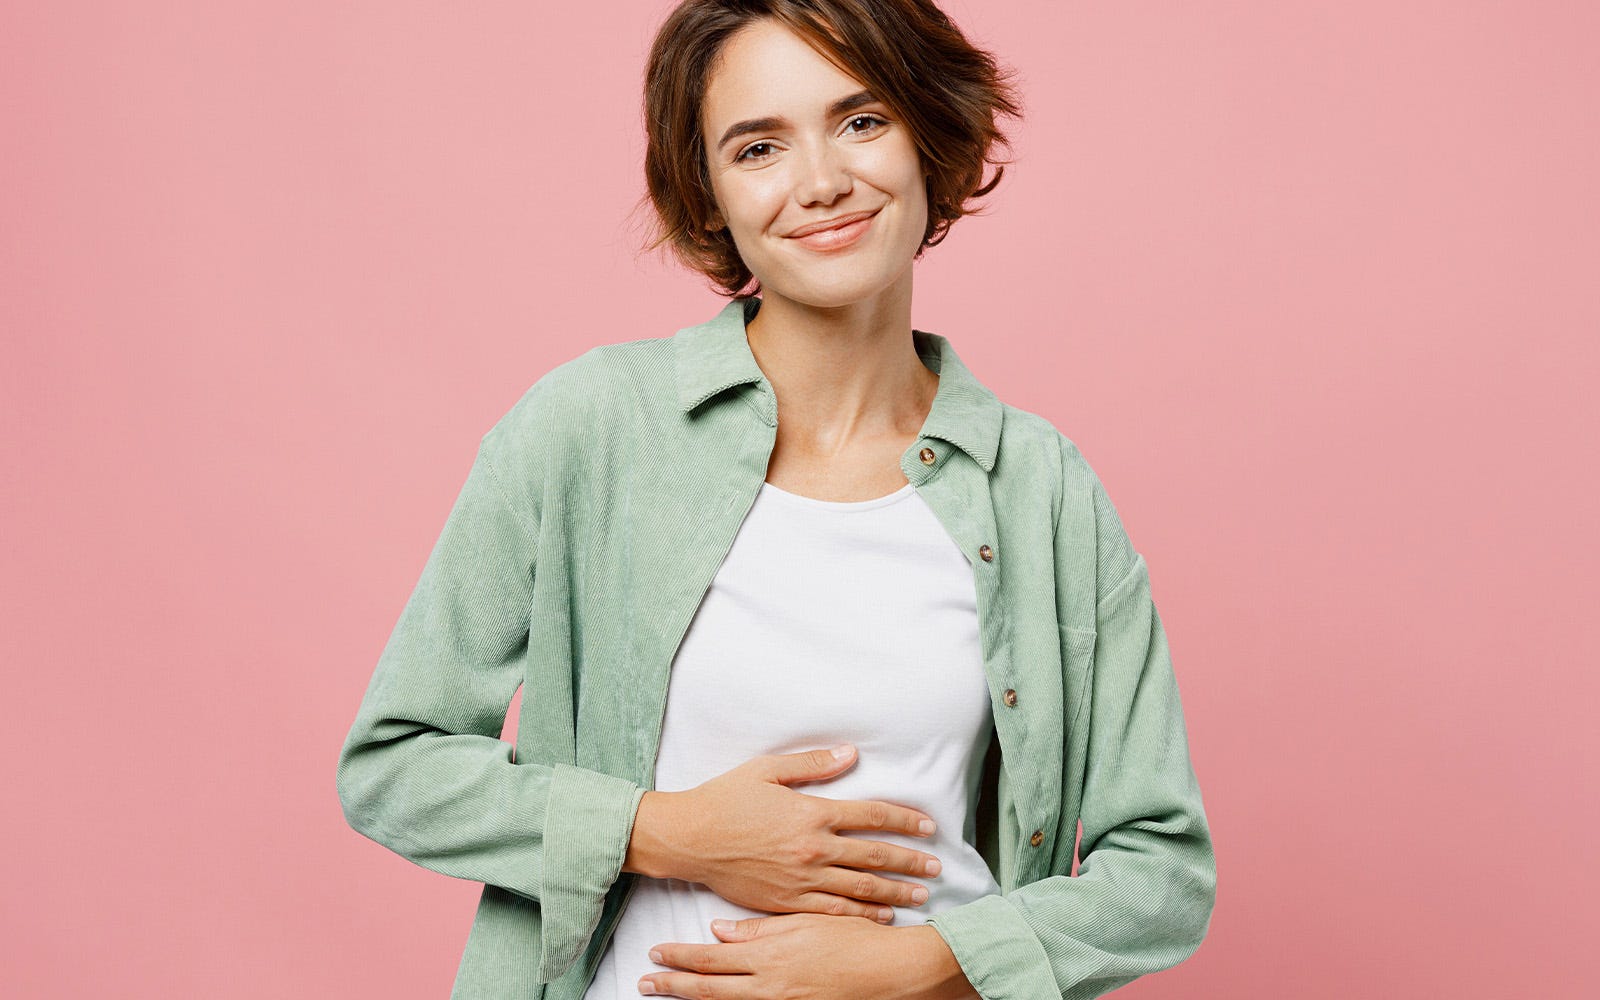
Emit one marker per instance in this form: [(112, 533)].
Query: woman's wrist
[(652, 846), (940, 975)]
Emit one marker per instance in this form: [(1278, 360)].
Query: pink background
[(1312, 285)]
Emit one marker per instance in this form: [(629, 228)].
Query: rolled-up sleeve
[(423, 770)]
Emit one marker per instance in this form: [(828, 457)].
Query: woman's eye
[(746, 153), (750, 151)]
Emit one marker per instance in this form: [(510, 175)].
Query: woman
[(802, 525)]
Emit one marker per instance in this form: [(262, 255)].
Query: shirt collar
[(715, 355)]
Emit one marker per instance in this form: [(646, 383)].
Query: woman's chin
[(834, 286)]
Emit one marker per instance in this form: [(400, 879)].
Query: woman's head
[(782, 82)]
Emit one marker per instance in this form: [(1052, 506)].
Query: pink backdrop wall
[(270, 269)]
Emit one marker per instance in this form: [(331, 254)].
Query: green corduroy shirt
[(593, 518)]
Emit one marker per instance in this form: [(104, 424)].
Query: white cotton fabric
[(827, 622)]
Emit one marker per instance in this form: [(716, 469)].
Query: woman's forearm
[(940, 974)]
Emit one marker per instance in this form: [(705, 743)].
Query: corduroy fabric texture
[(592, 520)]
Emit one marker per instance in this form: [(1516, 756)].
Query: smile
[(837, 238)]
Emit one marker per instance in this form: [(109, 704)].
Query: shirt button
[(1011, 698), (927, 456), (1037, 838), (986, 552)]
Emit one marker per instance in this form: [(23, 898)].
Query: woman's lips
[(837, 239)]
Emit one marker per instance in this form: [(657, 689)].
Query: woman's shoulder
[(1084, 512), (576, 394), (1037, 446)]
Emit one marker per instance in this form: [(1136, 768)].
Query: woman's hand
[(811, 957), (758, 843)]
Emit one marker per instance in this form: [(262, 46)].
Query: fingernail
[(646, 986), (655, 956), (919, 895), (926, 826), (933, 867), (886, 914), (722, 925), (841, 752)]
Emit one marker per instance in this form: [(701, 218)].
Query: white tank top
[(827, 622)]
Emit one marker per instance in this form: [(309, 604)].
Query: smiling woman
[(798, 544), (857, 72), (802, 181)]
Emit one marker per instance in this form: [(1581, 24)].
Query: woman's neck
[(846, 373)]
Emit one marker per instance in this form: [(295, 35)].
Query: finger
[(878, 856), (693, 985), (807, 765), (741, 930), (874, 888), (832, 905), (753, 927), (851, 814), (710, 958)]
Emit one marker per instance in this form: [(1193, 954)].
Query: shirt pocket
[(1077, 655)]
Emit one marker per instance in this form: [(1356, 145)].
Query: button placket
[(986, 553), (969, 523)]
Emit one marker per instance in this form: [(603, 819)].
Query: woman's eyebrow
[(770, 124)]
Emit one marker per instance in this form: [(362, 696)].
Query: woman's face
[(791, 144)]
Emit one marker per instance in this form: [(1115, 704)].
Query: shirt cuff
[(588, 823), (997, 950)]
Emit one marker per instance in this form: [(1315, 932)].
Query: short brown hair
[(907, 52)]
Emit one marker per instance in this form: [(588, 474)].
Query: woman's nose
[(824, 176)]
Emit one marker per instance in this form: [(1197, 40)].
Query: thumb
[(808, 765)]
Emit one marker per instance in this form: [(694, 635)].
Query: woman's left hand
[(809, 955)]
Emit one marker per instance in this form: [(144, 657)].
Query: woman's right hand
[(758, 843)]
